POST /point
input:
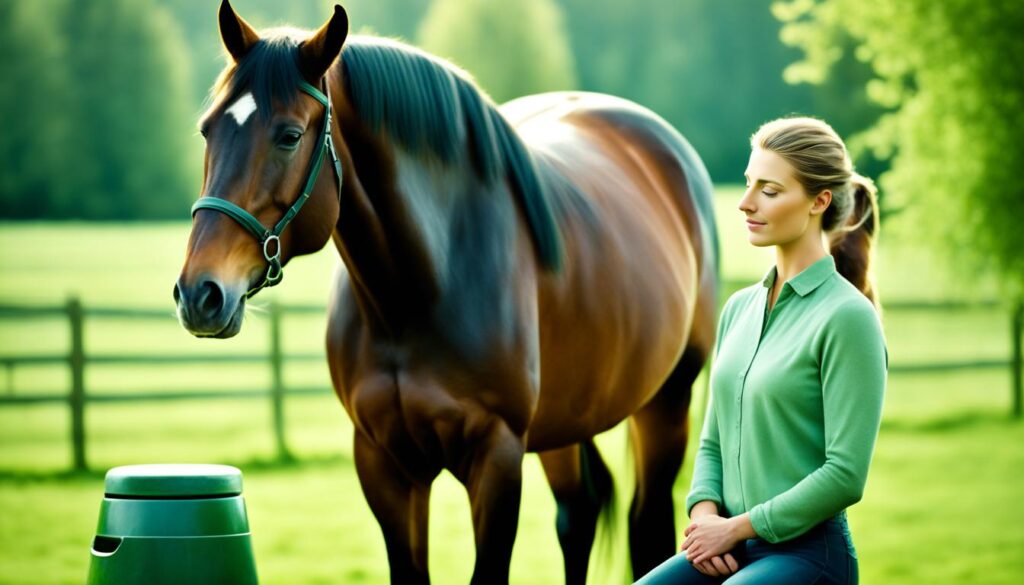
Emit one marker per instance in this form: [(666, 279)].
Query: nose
[(202, 305), (746, 202)]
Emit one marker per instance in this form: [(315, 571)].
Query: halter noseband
[(270, 239)]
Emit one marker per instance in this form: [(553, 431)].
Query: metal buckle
[(277, 248), (274, 273)]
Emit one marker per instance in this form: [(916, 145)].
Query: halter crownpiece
[(270, 238)]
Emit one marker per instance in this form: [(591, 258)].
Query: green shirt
[(796, 400)]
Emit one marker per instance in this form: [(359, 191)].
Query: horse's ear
[(237, 35), (318, 52)]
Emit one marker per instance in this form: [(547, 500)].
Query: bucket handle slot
[(104, 546)]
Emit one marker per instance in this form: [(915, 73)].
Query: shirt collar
[(808, 280)]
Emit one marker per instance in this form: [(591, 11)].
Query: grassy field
[(943, 503)]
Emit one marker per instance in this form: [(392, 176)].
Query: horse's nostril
[(210, 298), (176, 293)]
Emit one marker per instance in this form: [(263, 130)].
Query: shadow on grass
[(957, 422), (248, 467)]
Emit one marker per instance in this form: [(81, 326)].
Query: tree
[(34, 125), (511, 48), (951, 73), (713, 69), (399, 18), (133, 123), (98, 121)]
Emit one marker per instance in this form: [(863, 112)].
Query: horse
[(517, 278)]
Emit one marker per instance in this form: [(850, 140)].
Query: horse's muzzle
[(208, 308)]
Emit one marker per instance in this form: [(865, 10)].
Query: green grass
[(942, 503)]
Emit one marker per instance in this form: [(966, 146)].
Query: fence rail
[(77, 358)]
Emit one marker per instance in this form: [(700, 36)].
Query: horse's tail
[(600, 488)]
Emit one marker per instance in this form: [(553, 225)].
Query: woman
[(798, 377)]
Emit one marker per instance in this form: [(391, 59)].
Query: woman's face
[(777, 207)]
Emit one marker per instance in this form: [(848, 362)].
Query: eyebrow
[(768, 180)]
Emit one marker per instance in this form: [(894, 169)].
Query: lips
[(752, 222)]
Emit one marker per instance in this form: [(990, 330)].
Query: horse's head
[(265, 198)]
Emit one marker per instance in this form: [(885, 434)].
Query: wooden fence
[(78, 358)]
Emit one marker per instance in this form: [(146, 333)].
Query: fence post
[(76, 400), (277, 382), (1016, 364)]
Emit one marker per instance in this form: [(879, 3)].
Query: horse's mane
[(425, 104)]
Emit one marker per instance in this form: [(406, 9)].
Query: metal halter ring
[(277, 248)]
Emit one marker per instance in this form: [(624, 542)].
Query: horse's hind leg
[(658, 432), (401, 508), (582, 486)]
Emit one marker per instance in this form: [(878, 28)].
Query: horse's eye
[(289, 140)]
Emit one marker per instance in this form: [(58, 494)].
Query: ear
[(821, 202), (318, 52), (237, 35)]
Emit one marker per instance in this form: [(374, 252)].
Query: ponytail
[(852, 243)]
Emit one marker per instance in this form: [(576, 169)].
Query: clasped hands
[(709, 538)]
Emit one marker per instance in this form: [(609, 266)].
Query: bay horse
[(518, 278)]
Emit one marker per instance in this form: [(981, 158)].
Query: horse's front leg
[(494, 480), (401, 507)]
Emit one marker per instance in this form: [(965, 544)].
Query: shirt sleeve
[(854, 362), (707, 467)]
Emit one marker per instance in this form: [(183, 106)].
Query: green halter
[(271, 238)]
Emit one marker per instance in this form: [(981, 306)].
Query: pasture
[(942, 503)]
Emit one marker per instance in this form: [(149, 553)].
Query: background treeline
[(99, 97)]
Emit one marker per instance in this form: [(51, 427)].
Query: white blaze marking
[(243, 108)]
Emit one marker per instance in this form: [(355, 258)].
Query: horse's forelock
[(269, 71)]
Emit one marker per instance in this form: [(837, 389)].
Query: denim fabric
[(824, 555)]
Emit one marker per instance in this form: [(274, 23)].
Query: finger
[(701, 556), (730, 561), (719, 565), (687, 543), (692, 552), (710, 570), (690, 528)]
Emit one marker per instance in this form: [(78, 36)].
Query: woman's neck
[(794, 257)]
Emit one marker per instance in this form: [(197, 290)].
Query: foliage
[(713, 69), (951, 73), (511, 48), (32, 96), (99, 126), (393, 18)]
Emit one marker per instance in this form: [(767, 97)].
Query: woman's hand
[(719, 566), (712, 536)]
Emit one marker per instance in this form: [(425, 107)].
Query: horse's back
[(633, 203), (579, 132)]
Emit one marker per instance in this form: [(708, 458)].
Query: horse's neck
[(448, 239)]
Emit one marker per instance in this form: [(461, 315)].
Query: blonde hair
[(820, 161)]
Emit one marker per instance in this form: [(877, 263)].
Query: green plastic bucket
[(172, 524)]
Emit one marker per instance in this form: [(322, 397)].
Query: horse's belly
[(615, 322), (607, 347)]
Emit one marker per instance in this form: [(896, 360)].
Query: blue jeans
[(824, 555)]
